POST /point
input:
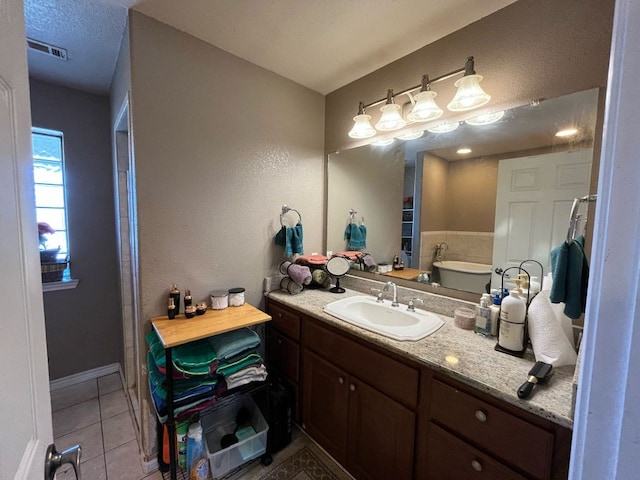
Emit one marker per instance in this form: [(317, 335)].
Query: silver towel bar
[(574, 217), (286, 209)]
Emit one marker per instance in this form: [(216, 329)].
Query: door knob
[(481, 416), (476, 465), (54, 460)]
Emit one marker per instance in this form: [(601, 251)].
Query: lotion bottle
[(512, 315), (483, 318), (495, 313)]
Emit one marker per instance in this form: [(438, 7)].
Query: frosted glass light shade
[(383, 142), (362, 128), (469, 95), (411, 135), (444, 127), (485, 118), (391, 118), (425, 108)]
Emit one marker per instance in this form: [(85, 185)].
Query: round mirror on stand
[(338, 267)]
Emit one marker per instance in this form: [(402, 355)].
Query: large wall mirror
[(460, 204)]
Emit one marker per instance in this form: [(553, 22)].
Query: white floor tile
[(89, 438), (68, 396), (109, 383), (93, 469), (117, 431), (123, 463), (113, 404), (73, 418)]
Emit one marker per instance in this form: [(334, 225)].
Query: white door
[(533, 205), (24, 395)]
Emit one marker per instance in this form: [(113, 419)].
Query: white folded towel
[(246, 375), (551, 332)]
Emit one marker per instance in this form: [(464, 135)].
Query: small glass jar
[(219, 299), (236, 297)]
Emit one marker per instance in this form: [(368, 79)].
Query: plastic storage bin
[(222, 421)]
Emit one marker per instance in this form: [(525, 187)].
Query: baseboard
[(150, 466), (84, 376)]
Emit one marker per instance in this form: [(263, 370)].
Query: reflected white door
[(533, 205), (24, 397)]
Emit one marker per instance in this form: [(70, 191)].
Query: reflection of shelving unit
[(407, 230), (411, 211)]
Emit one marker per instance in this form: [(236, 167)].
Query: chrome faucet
[(440, 249), (394, 302)]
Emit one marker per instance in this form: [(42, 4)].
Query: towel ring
[(286, 209)]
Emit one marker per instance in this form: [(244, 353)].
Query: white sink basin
[(382, 318)]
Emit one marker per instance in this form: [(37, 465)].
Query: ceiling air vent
[(47, 49)]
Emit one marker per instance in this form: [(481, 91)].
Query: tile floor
[(96, 415)]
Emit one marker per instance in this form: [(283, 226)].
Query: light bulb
[(362, 128), (568, 132), (425, 108), (469, 95), (391, 118)]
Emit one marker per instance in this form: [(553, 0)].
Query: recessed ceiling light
[(486, 118), (444, 127), (567, 132), (383, 142), (464, 150), (411, 135)]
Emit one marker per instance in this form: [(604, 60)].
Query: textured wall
[(529, 49), (220, 145), (84, 328)]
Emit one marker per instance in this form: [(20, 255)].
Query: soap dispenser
[(483, 317)]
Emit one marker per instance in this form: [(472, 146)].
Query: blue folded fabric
[(291, 239), (570, 271), (230, 344), (356, 236)]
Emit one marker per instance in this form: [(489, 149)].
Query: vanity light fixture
[(383, 142), (444, 127), (464, 151), (411, 135), (425, 108), (362, 127), (469, 96), (391, 118), (485, 118), (567, 132)]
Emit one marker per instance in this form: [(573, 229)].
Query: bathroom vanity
[(438, 408)]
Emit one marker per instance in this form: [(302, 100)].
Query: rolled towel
[(299, 273), (369, 263), (290, 286)]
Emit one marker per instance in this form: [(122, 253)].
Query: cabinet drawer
[(284, 355), (395, 379), (449, 458), (285, 321), (512, 440)]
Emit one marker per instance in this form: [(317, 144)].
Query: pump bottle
[(512, 316)]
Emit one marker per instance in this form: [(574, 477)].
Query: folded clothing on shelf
[(194, 358), (237, 363), (312, 259), (254, 373), (229, 344)]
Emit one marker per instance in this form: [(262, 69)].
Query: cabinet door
[(325, 399), (381, 435), (283, 355)]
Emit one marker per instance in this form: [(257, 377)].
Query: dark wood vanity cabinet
[(382, 416), (283, 357)]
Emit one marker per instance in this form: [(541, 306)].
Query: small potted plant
[(46, 254)]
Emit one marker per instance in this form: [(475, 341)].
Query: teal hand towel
[(356, 236), (194, 358), (570, 271), (229, 344), (291, 239)]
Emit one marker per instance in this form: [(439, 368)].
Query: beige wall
[(471, 195), (84, 323), (528, 50), (434, 191)]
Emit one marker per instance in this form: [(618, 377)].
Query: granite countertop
[(478, 364)]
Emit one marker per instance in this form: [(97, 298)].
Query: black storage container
[(280, 421)]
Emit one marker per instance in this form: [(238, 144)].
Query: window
[(48, 175)]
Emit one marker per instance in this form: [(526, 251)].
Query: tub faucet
[(394, 302), (441, 248)]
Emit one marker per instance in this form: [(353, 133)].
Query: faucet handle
[(380, 294), (411, 305)]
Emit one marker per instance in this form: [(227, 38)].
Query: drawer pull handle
[(481, 416), (352, 387), (476, 465), (279, 341), (340, 380), (279, 315)]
